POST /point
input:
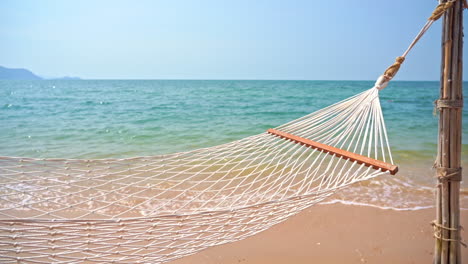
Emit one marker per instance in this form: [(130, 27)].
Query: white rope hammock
[(156, 209)]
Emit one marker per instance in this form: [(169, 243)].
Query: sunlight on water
[(101, 119)]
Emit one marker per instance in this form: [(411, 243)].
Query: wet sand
[(336, 233)]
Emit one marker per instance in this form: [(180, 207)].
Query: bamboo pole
[(447, 246)]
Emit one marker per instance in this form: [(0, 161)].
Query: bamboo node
[(449, 174)]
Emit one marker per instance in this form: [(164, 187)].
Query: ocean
[(96, 119)]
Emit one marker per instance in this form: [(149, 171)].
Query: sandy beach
[(336, 233)]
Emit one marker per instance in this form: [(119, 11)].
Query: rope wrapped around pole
[(440, 10)]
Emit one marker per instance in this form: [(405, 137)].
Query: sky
[(218, 39)]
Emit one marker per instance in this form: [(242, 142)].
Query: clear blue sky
[(216, 39)]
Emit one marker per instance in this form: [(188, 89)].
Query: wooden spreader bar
[(347, 155)]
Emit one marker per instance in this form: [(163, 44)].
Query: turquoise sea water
[(115, 118)]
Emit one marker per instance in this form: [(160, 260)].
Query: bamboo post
[(448, 162)]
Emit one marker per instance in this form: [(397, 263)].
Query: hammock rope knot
[(391, 71)]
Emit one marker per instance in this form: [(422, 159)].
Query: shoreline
[(336, 233), (351, 203)]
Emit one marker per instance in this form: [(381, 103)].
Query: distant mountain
[(17, 74), (23, 74), (66, 78)]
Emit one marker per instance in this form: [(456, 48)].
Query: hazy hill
[(66, 78), (17, 74)]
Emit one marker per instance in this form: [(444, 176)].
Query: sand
[(336, 233)]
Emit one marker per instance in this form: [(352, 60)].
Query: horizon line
[(208, 79)]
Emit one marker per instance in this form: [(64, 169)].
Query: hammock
[(156, 209), (160, 208)]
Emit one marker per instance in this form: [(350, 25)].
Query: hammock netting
[(160, 208)]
